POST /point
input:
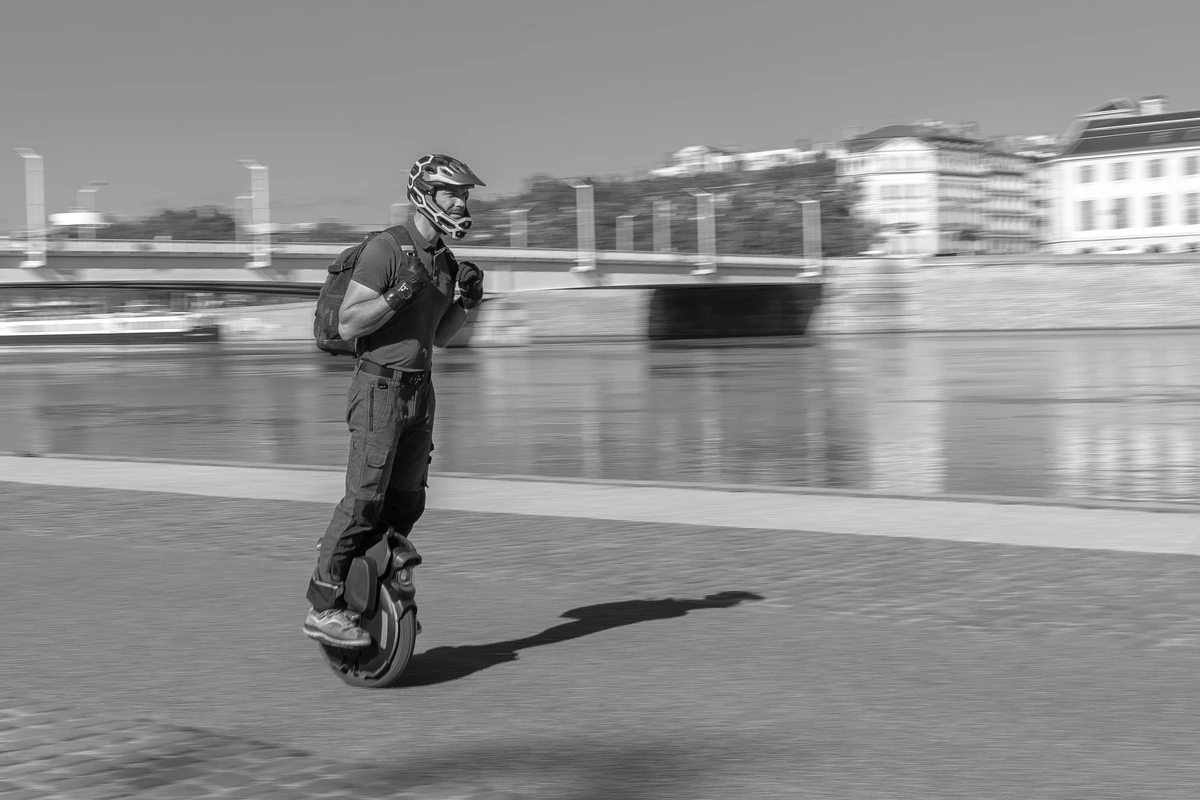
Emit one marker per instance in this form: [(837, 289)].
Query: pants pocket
[(383, 397), (377, 457), (374, 477)]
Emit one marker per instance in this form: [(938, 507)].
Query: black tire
[(393, 629)]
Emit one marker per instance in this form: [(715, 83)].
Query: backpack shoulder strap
[(453, 263), (402, 237), (403, 245)]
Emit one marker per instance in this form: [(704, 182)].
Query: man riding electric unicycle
[(398, 304)]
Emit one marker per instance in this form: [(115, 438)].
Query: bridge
[(302, 266)]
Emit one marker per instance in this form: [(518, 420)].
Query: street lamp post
[(706, 232), (585, 222), (662, 226), (243, 213), (518, 239), (35, 210), (518, 228), (260, 204), (810, 210), (625, 232), (85, 200)]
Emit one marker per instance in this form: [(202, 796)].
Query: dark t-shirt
[(406, 340)]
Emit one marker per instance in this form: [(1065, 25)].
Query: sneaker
[(337, 627)]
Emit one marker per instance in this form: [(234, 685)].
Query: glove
[(470, 284)]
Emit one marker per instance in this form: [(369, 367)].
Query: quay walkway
[(587, 639)]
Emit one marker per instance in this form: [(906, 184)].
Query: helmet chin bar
[(445, 224)]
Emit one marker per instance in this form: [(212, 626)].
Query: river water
[(1071, 415)]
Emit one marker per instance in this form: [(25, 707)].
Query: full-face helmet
[(433, 172)]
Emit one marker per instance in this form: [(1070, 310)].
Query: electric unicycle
[(379, 587)]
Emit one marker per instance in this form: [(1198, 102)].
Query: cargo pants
[(391, 439)]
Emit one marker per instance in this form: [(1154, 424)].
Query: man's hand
[(470, 284)]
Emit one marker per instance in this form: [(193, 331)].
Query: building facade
[(1128, 180), (938, 189)]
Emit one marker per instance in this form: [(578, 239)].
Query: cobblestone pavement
[(871, 668), (52, 751), (1146, 600)]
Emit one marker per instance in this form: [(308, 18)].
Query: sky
[(161, 98)]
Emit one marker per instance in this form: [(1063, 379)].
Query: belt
[(404, 376)]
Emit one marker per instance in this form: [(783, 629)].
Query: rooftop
[(1154, 131), (868, 141)]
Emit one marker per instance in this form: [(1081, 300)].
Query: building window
[(1120, 213), (1087, 216), (1154, 168), (1191, 165), (1156, 210), (1120, 171), (1192, 204), (1087, 174)]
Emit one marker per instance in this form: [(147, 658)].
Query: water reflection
[(1067, 415), (1128, 422)]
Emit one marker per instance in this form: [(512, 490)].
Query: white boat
[(163, 328)]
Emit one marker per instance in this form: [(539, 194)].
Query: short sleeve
[(378, 265)]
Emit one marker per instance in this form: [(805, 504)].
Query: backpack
[(329, 301)]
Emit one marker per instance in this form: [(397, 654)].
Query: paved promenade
[(595, 640)]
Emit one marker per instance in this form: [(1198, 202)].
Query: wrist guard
[(409, 286)]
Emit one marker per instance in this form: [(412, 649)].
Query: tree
[(756, 213), (329, 230), (205, 223)]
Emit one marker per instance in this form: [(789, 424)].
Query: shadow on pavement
[(442, 664)]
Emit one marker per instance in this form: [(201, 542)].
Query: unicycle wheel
[(393, 629)]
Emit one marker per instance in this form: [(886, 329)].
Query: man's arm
[(450, 324), (373, 294), (363, 312)]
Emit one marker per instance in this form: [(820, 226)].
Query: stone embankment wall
[(858, 296), (1010, 294), (1054, 296), (862, 296)]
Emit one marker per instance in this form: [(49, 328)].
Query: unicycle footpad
[(362, 585)]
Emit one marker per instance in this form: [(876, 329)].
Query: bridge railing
[(120, 247), (181, 247)]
